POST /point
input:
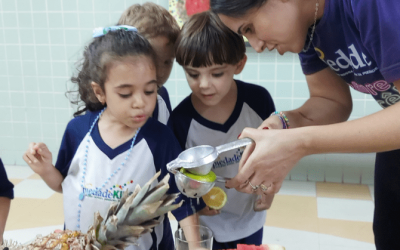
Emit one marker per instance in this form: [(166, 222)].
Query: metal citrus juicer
[(199, 160)]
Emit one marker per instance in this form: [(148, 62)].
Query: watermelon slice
[(196, 6), (246, 247)]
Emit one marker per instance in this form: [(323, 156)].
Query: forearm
[(191, 233), (330, 101), (318, 111), (190, 220), (4, 209), (374, 133), (53, 179)]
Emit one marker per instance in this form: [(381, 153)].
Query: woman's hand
[(268, 161)]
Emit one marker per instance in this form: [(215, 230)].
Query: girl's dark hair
[(235, 8), (204, 40), (98, 56)]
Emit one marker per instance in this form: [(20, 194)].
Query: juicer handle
[(235, 144), (172, 166)]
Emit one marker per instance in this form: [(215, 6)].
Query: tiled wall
[(41, 40)]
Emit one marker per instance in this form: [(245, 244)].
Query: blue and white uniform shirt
[(254, 104), (362, 46), (163, 108), (154, 147)]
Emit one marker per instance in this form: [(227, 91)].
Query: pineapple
[(124, 222)]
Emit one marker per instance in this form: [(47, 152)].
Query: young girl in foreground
[(116, 144)]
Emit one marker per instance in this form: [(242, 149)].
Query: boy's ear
[(240, 65), (99, 93)]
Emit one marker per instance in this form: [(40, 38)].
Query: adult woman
[(340, 43)]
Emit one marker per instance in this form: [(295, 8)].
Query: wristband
[(283, 118)]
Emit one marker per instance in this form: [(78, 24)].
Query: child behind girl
[(218, 109), (116, 144), (160, 28)]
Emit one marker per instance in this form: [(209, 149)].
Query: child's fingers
[(41, 146), (26, 159), (43, 150), (29, 158), (32, 158), (207, 211), (259, 205), (32, 148), (214, 212), (264, 198)]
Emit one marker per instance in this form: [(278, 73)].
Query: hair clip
[(101, 31)]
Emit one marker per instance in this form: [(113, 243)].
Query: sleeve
[(174, 126), (166, 154), (65, 154), (73, 135), (310, 61), (179, 123), (163, 92), (378, 23), (6, 187), (260, 100)]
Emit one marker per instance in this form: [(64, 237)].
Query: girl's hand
[(209, 211), (38, 157), (275, 153)]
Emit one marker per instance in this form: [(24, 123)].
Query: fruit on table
[(124, 222), (210, 177), (216, 198)]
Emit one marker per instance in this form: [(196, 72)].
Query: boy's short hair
[(151, 20), (204, 40)]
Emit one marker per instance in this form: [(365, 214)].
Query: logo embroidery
[(112, 194), (226, 161)]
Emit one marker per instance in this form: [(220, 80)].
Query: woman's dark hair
[(98, 56), (204, 40), (235, 8)]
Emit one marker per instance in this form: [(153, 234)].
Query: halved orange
[(216, 198)]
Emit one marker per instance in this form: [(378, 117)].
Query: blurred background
[(41, 41)]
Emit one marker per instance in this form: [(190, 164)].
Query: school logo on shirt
[(114, 193), (354, 60), (356, 63), (226, 161)]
